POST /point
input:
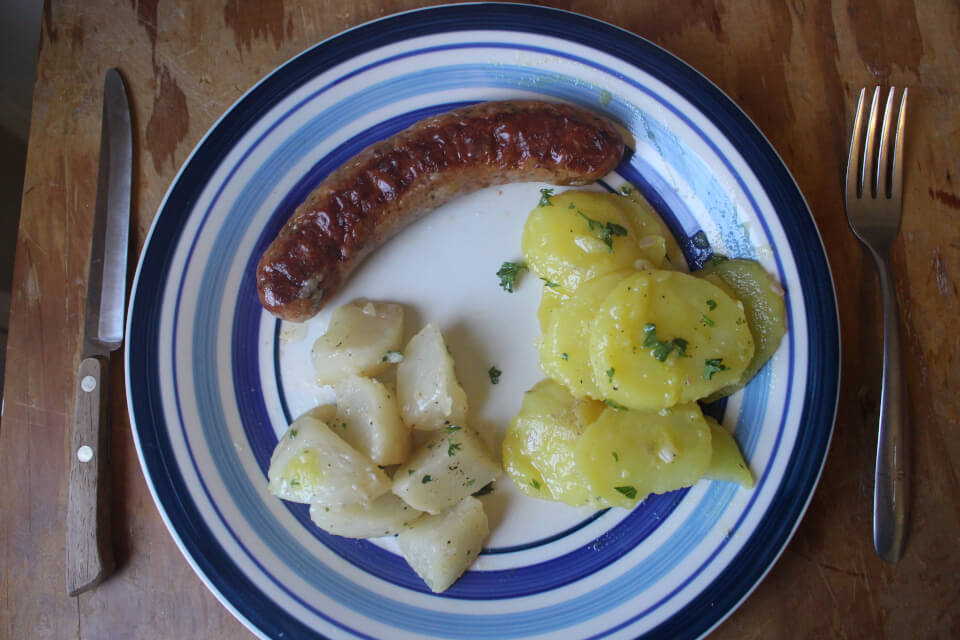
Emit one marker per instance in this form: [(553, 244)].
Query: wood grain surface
[(794, 67)]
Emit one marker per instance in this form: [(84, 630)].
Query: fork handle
[(891, 495)]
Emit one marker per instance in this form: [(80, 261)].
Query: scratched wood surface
[(793, 67)]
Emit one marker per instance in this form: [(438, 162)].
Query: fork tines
[(869, 174)]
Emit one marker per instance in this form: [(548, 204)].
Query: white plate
[(212, 379)]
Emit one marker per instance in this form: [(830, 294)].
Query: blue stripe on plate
[(819, 400)]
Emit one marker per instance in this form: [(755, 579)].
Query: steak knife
[(89, 550)]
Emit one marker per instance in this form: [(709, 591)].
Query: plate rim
[(555, 17)]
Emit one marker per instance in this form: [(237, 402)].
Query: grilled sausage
[(397, 180)]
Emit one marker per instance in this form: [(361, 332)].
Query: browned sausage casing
[(397, 180)]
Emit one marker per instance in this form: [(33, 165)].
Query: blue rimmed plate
[(212, 379)]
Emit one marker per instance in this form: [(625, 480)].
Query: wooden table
[(795, 68)]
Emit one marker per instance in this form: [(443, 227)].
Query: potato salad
[(630, 342)]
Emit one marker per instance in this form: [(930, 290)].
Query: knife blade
[(89, 553)]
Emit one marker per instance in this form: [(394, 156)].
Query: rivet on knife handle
[(89, 556)]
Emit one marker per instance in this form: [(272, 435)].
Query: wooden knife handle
[(89, 548)]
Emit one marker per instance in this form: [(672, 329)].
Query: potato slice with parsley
[(726, 462), (311, 463), (539, 448), (579, 235), (625, 455), (565, 341), (655, 238), (452, 465), (367, 417), (664, 337), (763, 305), (388, 515), (441, 547), (358, 340), (428, 392)]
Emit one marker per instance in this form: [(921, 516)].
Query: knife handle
[(89, 548)]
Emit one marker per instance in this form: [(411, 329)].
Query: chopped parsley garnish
[(707, 322), (712, 304), (681, 346), (294, 483), (662, 349), (545, 195), (409, 472), (451, 428), (427, 478), (628, 491), (494, 374), (610, 373), (571, 206), (713, 366), (605, 232), (487, 488), (470, 482), (616, 457), (626, 189), (618, 407), (508, 274), (293, 433), (453, 448), (564, 356), (547, 283), (392, 356), (717, 258), (535, 485)]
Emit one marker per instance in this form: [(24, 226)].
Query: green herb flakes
[(628, 491), (508, 274), (545, 195), (712, 366), (487, 488), (494, 374), (618, 407), (427, 478), (605, 232)]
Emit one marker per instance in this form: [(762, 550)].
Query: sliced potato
[(388, 515), (368, 419), (539, 448), (625, 455), (654, 234), (763, 305), (565, 343), (452, 465), (727, 462), (441, 547), (583, 235), (665, 337), (427, 389), (311, 463), (357, 341)]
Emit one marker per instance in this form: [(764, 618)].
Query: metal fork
[(874, 199)]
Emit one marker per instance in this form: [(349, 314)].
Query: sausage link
[(395, 181)]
